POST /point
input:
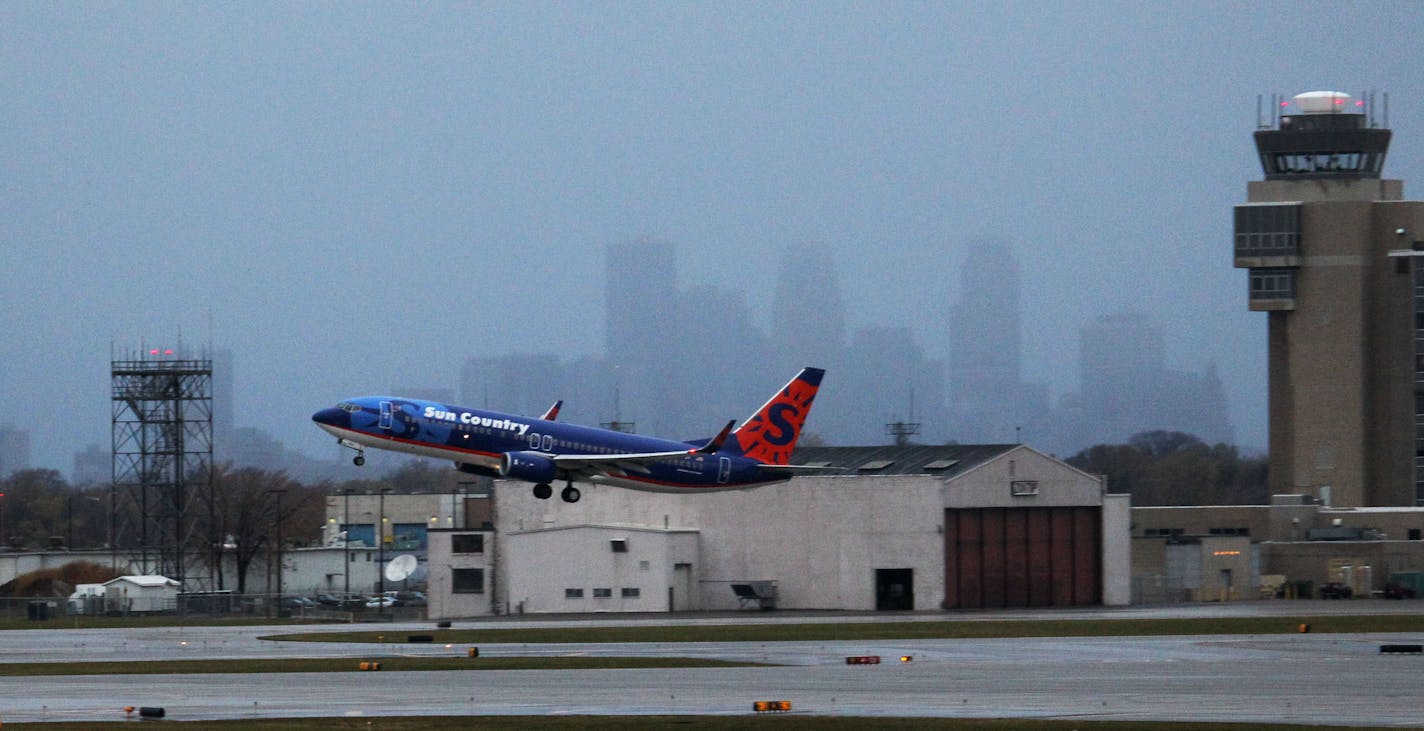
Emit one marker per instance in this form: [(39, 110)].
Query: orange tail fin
[(770, 434)]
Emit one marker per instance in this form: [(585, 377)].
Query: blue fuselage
[(478, 440)]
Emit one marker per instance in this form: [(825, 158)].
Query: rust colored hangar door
[(1022, 557)]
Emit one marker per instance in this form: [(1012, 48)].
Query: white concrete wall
[(820, 538), (442, 602), (543, 563), (1117, 550)]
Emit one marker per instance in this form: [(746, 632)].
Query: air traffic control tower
[(1333, 253)]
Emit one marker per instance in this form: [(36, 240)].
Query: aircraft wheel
[(571, 494), (543, 491), (358, 460)]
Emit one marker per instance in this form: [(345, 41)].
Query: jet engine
[(528, 466)]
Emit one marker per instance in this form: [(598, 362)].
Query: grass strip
[(780, 721), (852, 631), (352, 664)]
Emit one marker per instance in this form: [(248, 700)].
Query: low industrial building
[(1290, 547), (882, 528)]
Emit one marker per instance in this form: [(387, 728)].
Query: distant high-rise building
[(987, 394), (641, 321), (1333, 253), (1126, 387), (14, 450), (224, 405), (1122, 362), (886, 379), (92, 466), (640, 296), (520, 383), (808, 321)]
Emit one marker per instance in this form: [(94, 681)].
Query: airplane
[(543, 450)]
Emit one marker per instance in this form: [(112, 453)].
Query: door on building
[(680, 593), (894, 589), (1022, 557)]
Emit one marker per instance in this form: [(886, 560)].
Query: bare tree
[(243, 515)]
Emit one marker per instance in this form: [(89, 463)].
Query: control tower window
[(1272, 284), (1268, 230)]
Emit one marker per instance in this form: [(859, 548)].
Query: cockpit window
[(348, 406)]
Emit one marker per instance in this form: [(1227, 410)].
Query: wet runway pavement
[(1287, 678)]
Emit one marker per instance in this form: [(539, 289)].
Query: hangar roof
[(946, 461)]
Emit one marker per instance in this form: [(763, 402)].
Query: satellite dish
[(401, 567)]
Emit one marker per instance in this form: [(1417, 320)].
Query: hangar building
[(887, 528)]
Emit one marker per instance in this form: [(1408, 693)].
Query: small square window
[(467, 543), (573, 593), (467, 581), (602, 593), (619, 545), (631, 592)]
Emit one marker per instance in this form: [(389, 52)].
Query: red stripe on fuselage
[(419, 443)]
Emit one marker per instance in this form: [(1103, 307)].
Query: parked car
[(1335, 590), (296, 602), (347, 603), (1393, 590), (409, 599), (380, 602)]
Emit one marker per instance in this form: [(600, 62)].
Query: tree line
[(231, 522), (1172, 468)]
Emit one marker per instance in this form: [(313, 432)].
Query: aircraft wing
[(798, 468), (635, 461), (590, 464)]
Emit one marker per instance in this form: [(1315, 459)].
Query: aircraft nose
[(332, 417)]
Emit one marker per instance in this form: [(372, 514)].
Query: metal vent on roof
[(941, 464), (876, 464)]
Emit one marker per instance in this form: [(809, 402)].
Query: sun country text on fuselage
[(542, 450)]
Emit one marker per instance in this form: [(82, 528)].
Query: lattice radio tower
[(163, 455)]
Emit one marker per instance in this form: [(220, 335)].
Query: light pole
[(346, 545), (278, 493), (381, 539)]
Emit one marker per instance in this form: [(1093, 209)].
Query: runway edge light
[(771, 706), (863, 660)]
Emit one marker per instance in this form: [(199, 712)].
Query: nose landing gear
[(570, 494), (360, 458)]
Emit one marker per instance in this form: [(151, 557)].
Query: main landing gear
[(360, 458), (569, 494)]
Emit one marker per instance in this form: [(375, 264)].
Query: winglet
[(553, 412), (715, 443)]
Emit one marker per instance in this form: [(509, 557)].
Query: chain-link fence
[(353, 608)]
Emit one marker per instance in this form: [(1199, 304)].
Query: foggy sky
[(353, 196)]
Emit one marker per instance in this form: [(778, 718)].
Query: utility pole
[(346, 545), (278, 493), (381, 539)]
